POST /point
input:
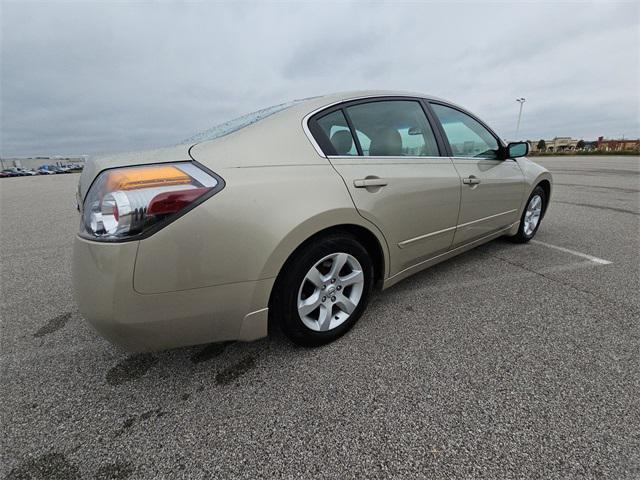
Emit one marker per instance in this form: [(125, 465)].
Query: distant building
[(568, 144), (558, 144), (610, 145), (562, 144)]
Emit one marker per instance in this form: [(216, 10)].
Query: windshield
[(236, 124)]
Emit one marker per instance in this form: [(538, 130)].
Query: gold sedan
[(291, 216)]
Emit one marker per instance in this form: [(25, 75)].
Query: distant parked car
[(55, 168), (44, 170), (26, 171), (14, 172), (75, 167)]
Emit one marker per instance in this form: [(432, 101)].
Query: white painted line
[(573, 252)]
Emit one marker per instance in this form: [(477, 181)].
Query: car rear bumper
[(103, 282)]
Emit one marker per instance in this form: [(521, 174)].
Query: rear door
[(386, 151), (492, 187)]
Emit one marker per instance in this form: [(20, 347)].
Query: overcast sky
[(94, 77)]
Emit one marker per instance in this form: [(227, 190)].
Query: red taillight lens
[(172, 202)]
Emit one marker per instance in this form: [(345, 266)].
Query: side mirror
[(517, 149)]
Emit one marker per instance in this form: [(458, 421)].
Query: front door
[(396, 176), (492, 188)]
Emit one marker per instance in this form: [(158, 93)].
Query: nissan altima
[(291, 216)]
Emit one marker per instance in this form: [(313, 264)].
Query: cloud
[(97, 77)]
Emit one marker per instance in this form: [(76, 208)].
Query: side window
[(335, 127), (467, 137), (393, 128), (365, 142)]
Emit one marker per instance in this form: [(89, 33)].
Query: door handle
[(370, 182), (471, 180)]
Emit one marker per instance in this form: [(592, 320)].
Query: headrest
[(342, 142)]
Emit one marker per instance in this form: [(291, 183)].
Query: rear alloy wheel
[(531, 216), (323, 290), (330, 292)]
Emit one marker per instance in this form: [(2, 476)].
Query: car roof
[(338, 97), (376, 93)]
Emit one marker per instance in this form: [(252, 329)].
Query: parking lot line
[(573, 252)]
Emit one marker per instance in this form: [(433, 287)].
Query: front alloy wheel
[(531, 217), (532, 214)]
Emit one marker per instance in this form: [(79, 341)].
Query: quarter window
[(467, 136), (335, 127), (393, 128)]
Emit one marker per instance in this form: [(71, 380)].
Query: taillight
[(125, 203)]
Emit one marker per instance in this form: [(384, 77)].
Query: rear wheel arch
[(306, 302), (368, 239), (363, 235)]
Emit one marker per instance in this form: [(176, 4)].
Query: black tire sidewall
[(295, 271), (536, 191)]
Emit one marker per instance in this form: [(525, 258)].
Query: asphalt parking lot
[(510, 361)]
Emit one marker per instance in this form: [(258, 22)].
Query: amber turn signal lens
[(145, 177)]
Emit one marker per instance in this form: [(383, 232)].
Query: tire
[(312, 326), (526, 231)]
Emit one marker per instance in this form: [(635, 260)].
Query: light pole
[(521, 102)]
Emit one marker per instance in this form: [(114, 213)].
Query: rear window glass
[(393, 128), (335, 127), (236, 124)]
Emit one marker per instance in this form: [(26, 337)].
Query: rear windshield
[(236, 124)]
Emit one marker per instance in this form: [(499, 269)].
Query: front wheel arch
[(546, 186), (521, 236)]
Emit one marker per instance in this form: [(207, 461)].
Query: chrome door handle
[(471, 180), (370, 182)]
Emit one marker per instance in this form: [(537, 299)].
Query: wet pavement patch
[(131, 368), (228, 375), (209, 352), (50, 465), (53, 325), (131, 421), (127, 424), (158, 412), (114, 471)]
